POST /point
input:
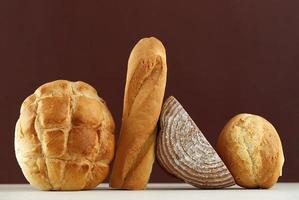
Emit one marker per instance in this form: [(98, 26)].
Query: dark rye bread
[(184, 152)]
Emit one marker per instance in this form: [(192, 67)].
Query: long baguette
[(144, 92)]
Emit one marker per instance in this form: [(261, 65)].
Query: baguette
[(144, 92)]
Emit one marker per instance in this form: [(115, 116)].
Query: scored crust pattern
[(64, 138), (184, 151), (144, 91)]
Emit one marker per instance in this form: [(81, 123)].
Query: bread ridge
[(144, 93)]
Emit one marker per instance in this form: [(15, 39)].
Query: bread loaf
[(184, 151), (251, 149), (144, 92), (64, 138)]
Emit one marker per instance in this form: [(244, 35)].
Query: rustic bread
[(183, 150), (64, 138)]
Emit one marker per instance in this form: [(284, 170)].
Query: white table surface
[(154, 191)]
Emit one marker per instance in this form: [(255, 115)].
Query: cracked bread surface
[(64, 137), (251, 149)]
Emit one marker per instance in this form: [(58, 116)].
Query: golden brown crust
[(144, 92), (64, 138), (251, 149)]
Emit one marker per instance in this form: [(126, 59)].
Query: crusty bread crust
[(251, 149), (64, 138), (144, 92)]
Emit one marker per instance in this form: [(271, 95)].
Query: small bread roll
[(251, 149), (64, 138)]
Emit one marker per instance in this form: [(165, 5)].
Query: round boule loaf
[(64, 137)]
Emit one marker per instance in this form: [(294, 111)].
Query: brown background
[(224, 58)]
